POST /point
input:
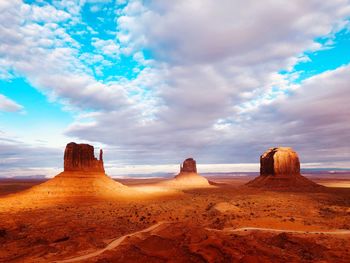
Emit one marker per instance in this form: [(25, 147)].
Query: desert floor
[(226, 223)]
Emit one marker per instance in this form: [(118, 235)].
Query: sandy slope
[(68, 186), (284, 182), (187, 180), (205, 225)]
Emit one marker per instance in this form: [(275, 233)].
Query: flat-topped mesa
[(188, 166), (81, 158), (279, 161), (280, 170)]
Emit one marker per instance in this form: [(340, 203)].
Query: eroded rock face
[(81, 157), (280, 171), (279, 161), (188, 166)]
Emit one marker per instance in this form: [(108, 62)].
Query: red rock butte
[(279, 161), (81, 157), (280, 169), (188, 176), (83, 175), (188, 166)]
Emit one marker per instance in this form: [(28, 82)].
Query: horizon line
[(148, 169)]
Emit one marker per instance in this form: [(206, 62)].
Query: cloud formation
[(202, 78), (18, 158), (315, 117), (9, 105), (216, 68), (48, 56)]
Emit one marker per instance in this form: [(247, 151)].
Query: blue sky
[(154, 82), (335, 54)]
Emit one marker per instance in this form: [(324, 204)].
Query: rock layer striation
[(279, 161)]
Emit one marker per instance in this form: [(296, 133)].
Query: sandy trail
[(115, 243), (335, 232)]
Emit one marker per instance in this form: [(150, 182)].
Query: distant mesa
[(188, 166), (280, 169), (81, 157), (188, 176)]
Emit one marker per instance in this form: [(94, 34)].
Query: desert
[(85, 216), (184, 131)]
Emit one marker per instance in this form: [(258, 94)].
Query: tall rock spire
[(101, 155)]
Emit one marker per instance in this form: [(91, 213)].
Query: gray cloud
[(205, 92), (207, 32), (314, 119), (317, 116), (212, 59), (20, 158)]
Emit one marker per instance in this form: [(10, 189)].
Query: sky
[(153, 82)]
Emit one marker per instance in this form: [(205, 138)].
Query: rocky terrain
[(199, 225)]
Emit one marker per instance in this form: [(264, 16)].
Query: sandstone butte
[(280, 169), (188, 176), (83, 175), (188, 166), (81, 157)]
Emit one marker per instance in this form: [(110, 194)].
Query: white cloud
[(212, 89), (98, 1), (107, 47), (49, 58), (46, 13), (216, 66), (9, 105), (205, 31), (313, 118), (224, 50)]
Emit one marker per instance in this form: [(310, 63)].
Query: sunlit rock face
[(279, 161), (280, 170), (188, 166), (81, 158), (83, 176), (188, 176)]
